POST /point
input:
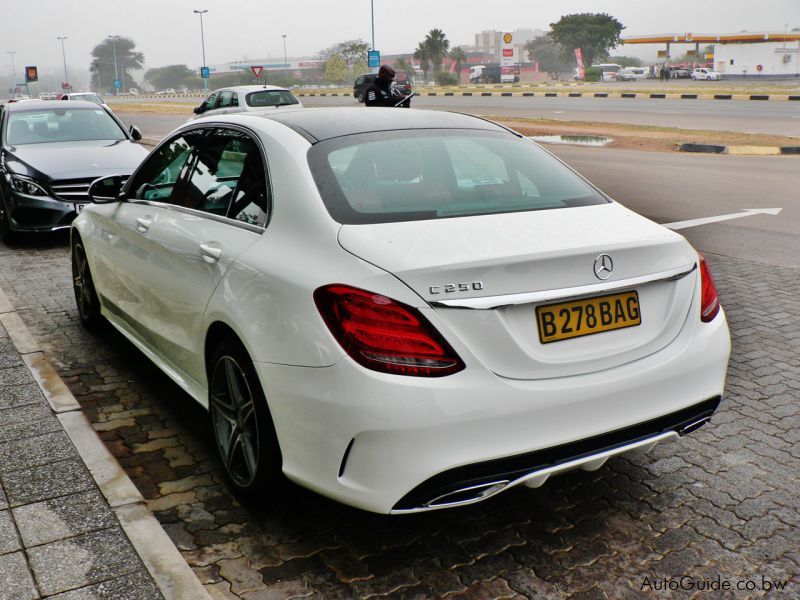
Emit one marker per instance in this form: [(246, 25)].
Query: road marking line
[(745, 212)]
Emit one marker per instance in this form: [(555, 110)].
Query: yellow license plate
[(584, 317)]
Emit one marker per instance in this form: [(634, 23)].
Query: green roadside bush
[(446, 78), (592, 74)]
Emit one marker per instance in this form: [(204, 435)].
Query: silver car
[(245, 98)]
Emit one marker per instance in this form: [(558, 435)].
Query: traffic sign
[(31, 74), (117, 84), (373, 58), (205, 72), (257, 71)]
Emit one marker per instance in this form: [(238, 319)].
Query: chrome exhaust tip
[(693, 426)]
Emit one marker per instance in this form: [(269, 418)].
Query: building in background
[(491, 43)]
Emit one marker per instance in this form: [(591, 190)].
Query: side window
[(162, 169), (211, 102), (225, 99), (251, 197), (228, 179), (234, 99)]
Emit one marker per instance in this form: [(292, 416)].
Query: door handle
[(210, 254), (143, 224)]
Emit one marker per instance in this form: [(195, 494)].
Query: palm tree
[(437, 45), (403, 65), (460, 57), (421, 54)]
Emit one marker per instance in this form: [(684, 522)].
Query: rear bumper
[(393, 444)]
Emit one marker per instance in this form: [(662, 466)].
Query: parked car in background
[(608, 71), (245, 98), (631, 74), (166, 92), (85, 96), (363, 83), (406, 311), (679, 73), (702, 73), (51, 153)]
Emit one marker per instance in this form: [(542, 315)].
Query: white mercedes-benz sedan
[(401, 310)]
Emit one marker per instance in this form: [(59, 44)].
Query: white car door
[(218, 210), (124, 249)]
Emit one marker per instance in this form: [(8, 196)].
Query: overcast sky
[(168, 32)]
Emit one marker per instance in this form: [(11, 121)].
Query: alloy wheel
[(235, 422), (83, 285)]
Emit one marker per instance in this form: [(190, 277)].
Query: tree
[(351, 51), (173, 76), (102, 67), (336, 70), (625, 61), (403, 65), (437, 45), (359, 68), (594, 33), (549, 55), (421, 54), (460, 58)]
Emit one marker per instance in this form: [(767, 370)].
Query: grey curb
[(170, 572)]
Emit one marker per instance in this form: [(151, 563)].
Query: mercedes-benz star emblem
[(603, 266)]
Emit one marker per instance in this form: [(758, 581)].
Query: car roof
[(321, 124), (48, 105), (246, 89)]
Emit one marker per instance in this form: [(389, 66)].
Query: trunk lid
[(462, 265)]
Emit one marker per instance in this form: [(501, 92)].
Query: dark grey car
[(50, 153)]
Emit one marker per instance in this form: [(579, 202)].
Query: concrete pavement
[(72, 525)]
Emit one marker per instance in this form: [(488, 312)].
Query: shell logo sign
[(507, 37), (688, 37)]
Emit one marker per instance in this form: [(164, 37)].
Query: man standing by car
[(380, 93)]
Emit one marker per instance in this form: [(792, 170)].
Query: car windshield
[(434, 174), (271, 98), (61, 125)]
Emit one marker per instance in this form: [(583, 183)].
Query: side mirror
[(200, 109), (136, 133), (106, 190)]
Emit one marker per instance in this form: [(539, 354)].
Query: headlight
[(25, 185)]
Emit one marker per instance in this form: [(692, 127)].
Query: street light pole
[(372, 12), (64, 55), (13, 68), (116, 72), (285, 64), (203, 44)]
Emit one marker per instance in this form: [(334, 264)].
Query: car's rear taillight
[(383, 334), (709, 299)]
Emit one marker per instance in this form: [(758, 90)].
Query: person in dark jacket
[(380, 93)]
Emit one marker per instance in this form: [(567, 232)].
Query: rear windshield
[(434, 174), (61, 125), (271, 98)]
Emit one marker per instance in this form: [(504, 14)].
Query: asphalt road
[(775, 118), (772, 117)]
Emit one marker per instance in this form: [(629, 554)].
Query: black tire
[(83, 285), (242, 425), (6, 234)]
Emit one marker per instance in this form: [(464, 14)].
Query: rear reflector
[(383, 334), (709, 306)]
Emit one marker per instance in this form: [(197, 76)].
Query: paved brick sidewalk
[(721, 505), (58, 535)]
